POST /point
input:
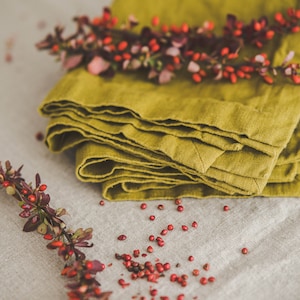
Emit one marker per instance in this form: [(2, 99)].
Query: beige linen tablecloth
[(268, 227)]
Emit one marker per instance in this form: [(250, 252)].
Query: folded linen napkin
[(143, 141)]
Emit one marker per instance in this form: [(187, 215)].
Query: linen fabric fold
[(144, 141)]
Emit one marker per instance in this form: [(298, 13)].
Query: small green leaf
[(42, 228), (10, 190), (61, 212)]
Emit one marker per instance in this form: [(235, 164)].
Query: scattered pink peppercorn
[(143, 206), (173, 277), (196, 272), (150, 249), (122, 283), (39, 136), (226, 208), (180, 208), (191, 258), (244, 251), (164, 232), (122, 237), (184, 228), (180, 297), (178, 201), (151, 237), (170, 227), (152, 218), (195, 224), (203, 280), (161, 207), (153, 292), (206, 267), (211, 279), (102, 202)]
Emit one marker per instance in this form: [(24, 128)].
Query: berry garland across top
[(164, 50)]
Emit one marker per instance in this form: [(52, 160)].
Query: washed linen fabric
[(141, 140)]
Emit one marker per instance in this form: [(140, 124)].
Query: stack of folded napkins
[(141, 141)]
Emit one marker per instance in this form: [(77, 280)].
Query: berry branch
[(44, 219), (163, 50)]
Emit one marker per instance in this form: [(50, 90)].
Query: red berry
[(270, 34), (191, 258), (42, 187), (102, 202), (155, 21), (32, 198), (122, 45), (233, 78), (185, 27), (152, 218), (196, 77), (196, 272), (203, 280), (268, 79), (211, 279), (55, 48), (257, 26), (224, 51), (48, 236), (117, 58), (5, 183), (89, 264)]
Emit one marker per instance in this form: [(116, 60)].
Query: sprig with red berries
[(41, 217), (163, 50)]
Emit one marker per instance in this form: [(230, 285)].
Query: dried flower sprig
[(163, 50), (47, 221)]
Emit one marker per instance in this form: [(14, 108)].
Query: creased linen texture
[(145, 141)]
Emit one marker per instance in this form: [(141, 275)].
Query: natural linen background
[(269, 227), (143, 141)]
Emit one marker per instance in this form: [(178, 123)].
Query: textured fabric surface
[(269, 227), (143, 141)]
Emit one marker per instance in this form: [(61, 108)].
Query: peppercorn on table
[(242, 247)]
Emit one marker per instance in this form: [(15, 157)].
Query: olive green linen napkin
[(143, 141)]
